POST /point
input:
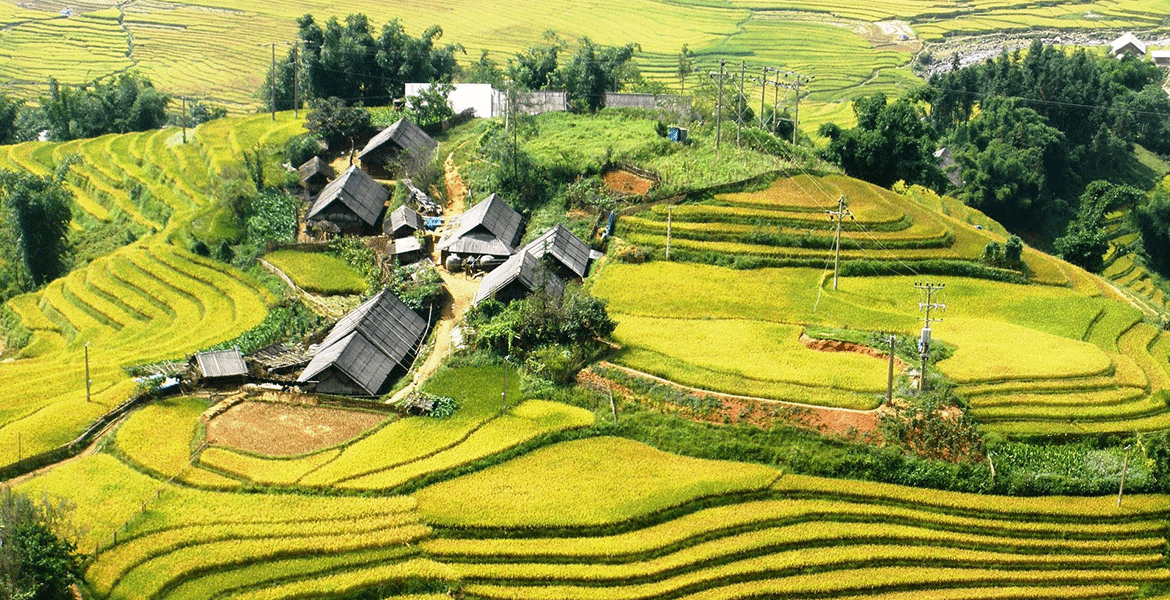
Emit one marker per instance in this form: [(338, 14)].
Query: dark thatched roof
[(357, 191), (490, 227), (367, 343), (522, 268), (405, 136), (221, 363), (315, 166), (402, 217), (560, 243)]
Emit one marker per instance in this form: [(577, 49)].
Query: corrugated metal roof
[(403, 216), (406, 244), (1126, 39), (522, 267), (382, 323), (357, 191), (315, 166), (561, 244), (405, 135), (493, 217), (221, 363)]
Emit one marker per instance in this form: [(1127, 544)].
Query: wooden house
[(1127, 44), (219, 367), (402, 222), (353, 202), (519, 276), (402, 146), (562, 252), (365, 347), (490, 229), (405, 250), (315, 174)]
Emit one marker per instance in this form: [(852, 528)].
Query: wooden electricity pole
[(184, 120), (890, 376), (1124, 468), (87, 379), (272, 80), (837, 216), (296, 82), (669, 218), (924, 340), (719, 109)]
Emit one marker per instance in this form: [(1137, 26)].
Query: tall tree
[(686, 66), (37, 211), (891, 142)]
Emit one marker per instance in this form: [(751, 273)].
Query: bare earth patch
[(626, 183), (286, 430)]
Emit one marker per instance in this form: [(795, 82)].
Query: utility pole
[(669, 216), (763, 92), (184, 119), (88, 381), (795, 86), (1124, 468), (296, 82), (719, 110), (272, 80), (924, 340), (740, 105), (890, 376), (838, 216)]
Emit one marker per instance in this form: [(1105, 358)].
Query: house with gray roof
[(365, 347), (219, 367), (402, 222), (402, 146), (315, 174), (488, 229), (564, 252), (519, 276), (1127, 44), (354, 202)]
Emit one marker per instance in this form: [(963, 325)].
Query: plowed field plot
[(284, 430)]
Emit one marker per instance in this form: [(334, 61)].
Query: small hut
[(490, 229), (402, 222), (353, 202), (1127, 44), (519, 276), (405, 250), (562, 251), (365, 347), (402, 145), (315, 174), (219, 367)]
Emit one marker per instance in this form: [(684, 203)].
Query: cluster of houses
[(1129, 44), (370, 347)]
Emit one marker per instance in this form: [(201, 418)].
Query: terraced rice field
[(1066, 354), (220, 50), (737, 535), (601, 518), (145, 302)]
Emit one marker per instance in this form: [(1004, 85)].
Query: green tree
[(1006, 155), (9, 112), (334, 122), (891, 142), (430, 106), (1152, 221), (121, 104), (485, 70), (36, 215), (534, 68), (593, 71), (37, 560), (686, 66), (1084, 243)]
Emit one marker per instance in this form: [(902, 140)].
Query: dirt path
[(461, 288), (89, 450), (845, 422)]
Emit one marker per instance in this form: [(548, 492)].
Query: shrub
[(301, 148)]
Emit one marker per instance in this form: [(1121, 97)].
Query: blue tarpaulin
[(433, 223)]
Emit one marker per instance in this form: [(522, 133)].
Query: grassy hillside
[(147, 301)]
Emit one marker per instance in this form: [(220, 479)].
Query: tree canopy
[(37, 561), (354, 62), (121, 104), (34, 225), (891, 142)]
